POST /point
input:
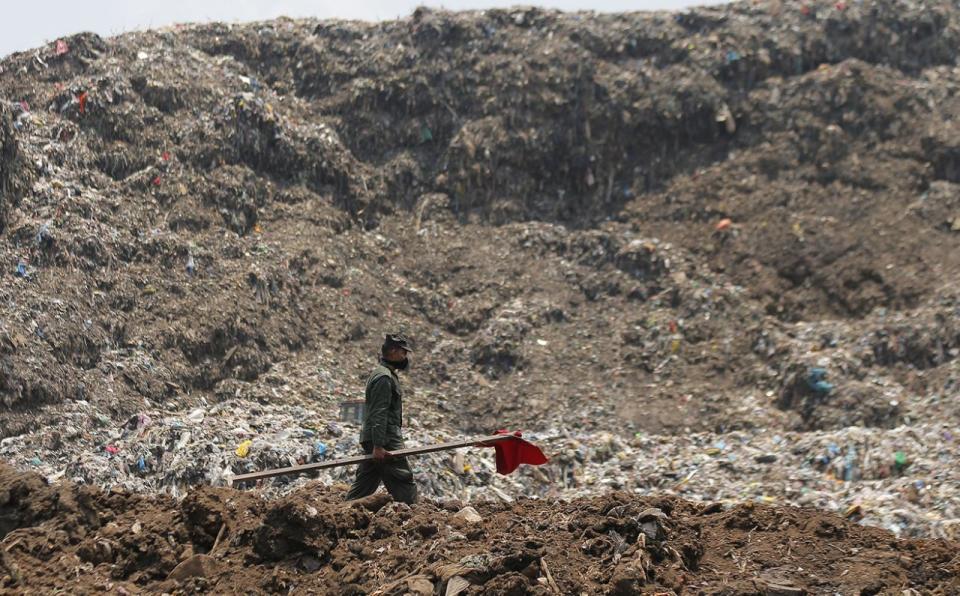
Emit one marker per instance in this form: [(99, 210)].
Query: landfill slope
[(226, 541), (709, 254), (632, 219)]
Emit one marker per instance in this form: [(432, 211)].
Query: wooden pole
[(346, 461)]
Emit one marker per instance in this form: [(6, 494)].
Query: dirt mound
[(227, 541)]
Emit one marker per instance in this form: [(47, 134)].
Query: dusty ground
[(625, 223), (84, 540)]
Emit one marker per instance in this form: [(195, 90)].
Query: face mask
[(398, 364)]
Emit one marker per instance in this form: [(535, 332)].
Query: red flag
[(512, 453)]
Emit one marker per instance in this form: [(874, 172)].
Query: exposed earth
[(644, 224), (85, 540)]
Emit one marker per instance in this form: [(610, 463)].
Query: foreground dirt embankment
[(87, 540)]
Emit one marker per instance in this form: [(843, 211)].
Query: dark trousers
[(394, 472)]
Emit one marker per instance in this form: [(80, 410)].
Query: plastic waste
[(44, 237), (899, 461), (850, 470), (816, 381), (243, 449)]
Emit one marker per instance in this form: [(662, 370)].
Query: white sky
[(30, 23)]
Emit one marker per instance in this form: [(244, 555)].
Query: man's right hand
[(380, 454)]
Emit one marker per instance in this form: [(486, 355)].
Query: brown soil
[(85, 540)]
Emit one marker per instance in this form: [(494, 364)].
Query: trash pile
[(709, 254), (172, 452), (903, 479), (191, 208)]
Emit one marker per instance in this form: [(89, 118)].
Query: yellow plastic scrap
[(244, 448)]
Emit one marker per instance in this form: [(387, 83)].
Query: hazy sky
[(29, 23)]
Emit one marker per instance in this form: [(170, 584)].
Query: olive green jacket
[(383, 411)]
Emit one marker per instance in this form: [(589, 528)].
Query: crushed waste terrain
[(707, 259)]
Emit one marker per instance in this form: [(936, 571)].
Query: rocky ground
[(662, 243)]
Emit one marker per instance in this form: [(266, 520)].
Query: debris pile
[(14, 174), (903, 479), (707, 254), (204, 204)]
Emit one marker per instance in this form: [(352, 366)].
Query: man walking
[(382, 419)]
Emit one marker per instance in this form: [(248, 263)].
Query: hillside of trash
[(707, 257)]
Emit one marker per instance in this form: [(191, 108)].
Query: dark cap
[(397, 340)]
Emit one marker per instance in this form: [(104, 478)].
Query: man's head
[(396, 350)]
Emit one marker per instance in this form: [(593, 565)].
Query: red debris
[(724, 224), (82, 98), (156, 181), (165, 156), (61, 47)]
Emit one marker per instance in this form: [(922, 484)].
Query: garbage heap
[(241, 194), (15, 177), (710, 253), (903, 479)]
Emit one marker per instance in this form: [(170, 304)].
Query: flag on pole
[(512, 453)]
